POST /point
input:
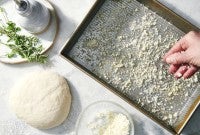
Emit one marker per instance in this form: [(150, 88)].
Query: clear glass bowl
[(90, 113)]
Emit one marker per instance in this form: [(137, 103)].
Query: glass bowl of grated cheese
[(104, 118)]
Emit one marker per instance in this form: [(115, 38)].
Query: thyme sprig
[(28, 47)]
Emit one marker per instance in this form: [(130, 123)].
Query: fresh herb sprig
[(28, 47)]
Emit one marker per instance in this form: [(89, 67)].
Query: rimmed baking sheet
[(120, 44)]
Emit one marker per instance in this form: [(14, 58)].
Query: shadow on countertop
[(193, 125), (142, 127), (66, 26)]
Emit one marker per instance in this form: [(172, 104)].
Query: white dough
[(42, 99)]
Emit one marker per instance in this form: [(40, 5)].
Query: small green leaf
[(28, 47), (11, 54)]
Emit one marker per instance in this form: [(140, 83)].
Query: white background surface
[(84, 89)]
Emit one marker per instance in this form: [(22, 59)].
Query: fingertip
[(164, 57), (173, 68), (178, 75), (179, 46), (170, 60), (190, 72), (181, 70)]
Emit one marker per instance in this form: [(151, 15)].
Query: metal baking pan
[(114, 42)]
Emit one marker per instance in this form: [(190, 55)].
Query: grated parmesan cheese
[(110, 123), (124, 45)]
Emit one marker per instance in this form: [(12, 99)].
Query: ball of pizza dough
[(41, 99)]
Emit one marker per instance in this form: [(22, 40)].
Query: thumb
[(177, 58)]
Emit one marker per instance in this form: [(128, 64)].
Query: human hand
[(184, 56)]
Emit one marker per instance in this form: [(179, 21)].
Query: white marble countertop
[(84, 89)]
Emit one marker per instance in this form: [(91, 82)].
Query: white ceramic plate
[(46, 38)]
